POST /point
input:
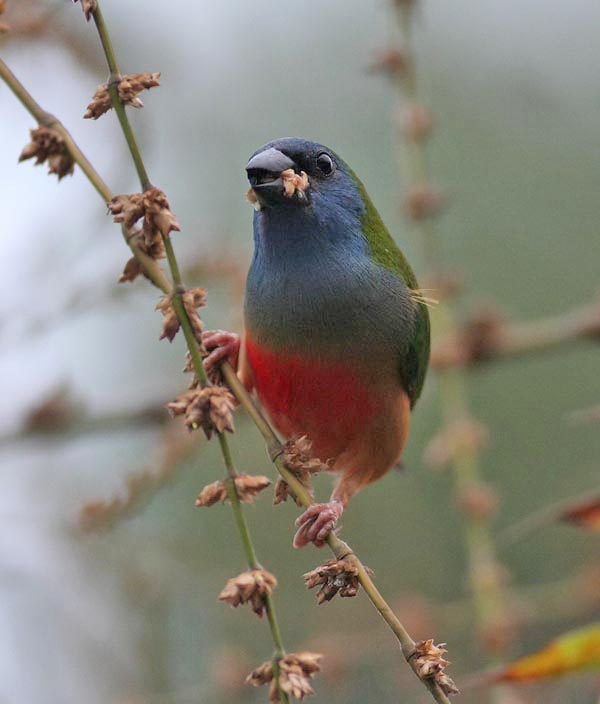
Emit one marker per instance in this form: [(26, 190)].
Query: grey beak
[(271, 160)]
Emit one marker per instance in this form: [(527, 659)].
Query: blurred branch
[(564, 510), (422, 204), (487, 338), (221, 265), (141, 486)]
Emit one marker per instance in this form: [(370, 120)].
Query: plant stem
[(151, 268), (113, 89), (520, 339), (192, 344), (338, 547), (487, 591)]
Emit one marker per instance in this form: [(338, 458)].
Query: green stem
[(113, 89), (42, 117), (186, 326), (489, 601), (338, 547)]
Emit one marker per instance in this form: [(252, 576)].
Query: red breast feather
[(360, 424)]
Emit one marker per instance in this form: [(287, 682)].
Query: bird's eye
[(325, 164)]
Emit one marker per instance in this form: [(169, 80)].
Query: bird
[(336, 334)]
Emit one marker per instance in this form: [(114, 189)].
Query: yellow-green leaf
[(575, 650)]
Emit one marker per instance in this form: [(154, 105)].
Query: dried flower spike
[(48, 145), (192, 299), (159, 220), (295, 671), (250, 587), (430, 664), (391, 62), (209, 408), (133, 268), (298, 459), (128, 88), (3, 27), (483, 335), (247, 487), (88, 7), (417, 123), (334, 576), (423, 201), (461, 436)]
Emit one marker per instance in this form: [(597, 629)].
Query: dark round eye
[(325, 164)]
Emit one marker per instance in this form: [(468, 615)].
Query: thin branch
[(186, 326), (488, 594), (488, 338), (544, 517), (339, 548), (151, 268)]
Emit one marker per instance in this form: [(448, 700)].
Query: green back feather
[(413, 364)]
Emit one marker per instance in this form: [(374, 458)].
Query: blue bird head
[(330, 206)]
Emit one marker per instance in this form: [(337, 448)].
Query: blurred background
[(108, 584)]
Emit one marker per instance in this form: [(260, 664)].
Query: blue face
[(328, 210)]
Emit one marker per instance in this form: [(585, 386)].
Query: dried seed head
[(250, 587), (482, 336), (416, 123), (334, 576), (133, 268), (445, 284), (128, 88), (423, 201), (283, 491), (390, 62), (159, 220), (430, 664), (209, 407), (127, 209), (48, 145), (295, 671), (158, 215), (88, 7), (294, 183), (193, 299), (464, 435), (99, 104), (478, 500), (298, 459), (3, 27), (247, 488), (170, 323)]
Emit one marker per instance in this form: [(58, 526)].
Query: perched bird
[(336, 342)]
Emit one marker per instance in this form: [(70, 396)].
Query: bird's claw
[(222, 346), (316, 523)]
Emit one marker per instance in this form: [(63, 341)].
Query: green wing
[(413, 365)]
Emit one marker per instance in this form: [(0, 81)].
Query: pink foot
[(222, 346), (316, 523)]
